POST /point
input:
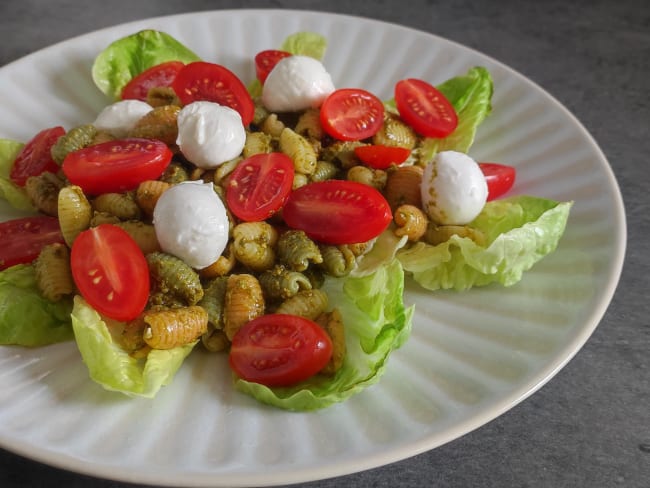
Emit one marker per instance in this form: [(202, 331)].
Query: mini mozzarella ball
[(296, 83), (191, 223), (120, 117), (453, 188), (210, 134)]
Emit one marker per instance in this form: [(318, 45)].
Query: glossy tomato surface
[(259, 186), (499, 178), (36, 157), (351, 114), (110, 272), (425, 108), (337, 211), (279, 350), (202, 81), (266, 60), (161, 75), (22, 239), (116, 166), (379, 156)]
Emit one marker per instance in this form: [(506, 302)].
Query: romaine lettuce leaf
[(519, 232), (129, 56), (112, 367), (376, 323), (11, 192), (26, 318)]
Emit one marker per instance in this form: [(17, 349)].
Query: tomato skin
[(266, 60), (337, 211), (499, 177), (161, 75), (36, 157), (259, 186), (425, 108), (279, 350), (110, 272), (212, 82), (378, 156), (22, 239), (351, 114), (116, 166)]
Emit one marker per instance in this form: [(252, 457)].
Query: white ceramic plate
[(471, 357)]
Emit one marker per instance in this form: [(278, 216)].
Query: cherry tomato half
[(161, 75), (265, 61), (214, 83), (279, 350), (499, 178), (425, 108), (116, 166), (22, 239), (351, 114), (36, 157), (259, 186), (379, 156), (337, 211), (110, 272)]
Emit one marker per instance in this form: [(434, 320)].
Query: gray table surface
[(590, 425)]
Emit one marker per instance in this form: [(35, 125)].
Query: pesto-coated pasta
[(306, 303), (394, 132), (175, 173), (254, 244), (325, 170), (437, 234), (280, 283), (403, 186), (43, 191), (215, 340), (167, 329), (297, 251), (73, 140), (222, 266), (342, 153), (74, 212), (410, 221), (122, 205), (272, 126), (375, 178), (148, 193), (299, 150), (159, 123), (100, 218), (243, 302), (257, 143), (332, 322), (338, 261), (214, 296), (309, 124), (143, 234), (173, 280), (53, 274), (162, 95)]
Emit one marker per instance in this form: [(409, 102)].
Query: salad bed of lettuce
[(519, 232)]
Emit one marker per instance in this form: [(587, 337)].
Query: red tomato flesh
[(279, 350), (161, 75), (499, 177), (259, 186), (351, 114), (265, 61), (381, 157), (213, 83), (337, 211), (36, 157), (22, 239), (425, 108), (110, 272), (116, 166)]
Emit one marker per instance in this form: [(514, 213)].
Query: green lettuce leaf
[(376, 323), (112, 367), (12, 193), (129, 56), (26, 318), (519, 232)]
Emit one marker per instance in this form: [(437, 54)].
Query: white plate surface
[(471, 357)]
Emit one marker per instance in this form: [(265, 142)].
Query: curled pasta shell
[(411, 222), (403, 186), (306, 303), (299, 150), (43, 191), (75, 212), (243, 302), (53, 274), (167, 329)]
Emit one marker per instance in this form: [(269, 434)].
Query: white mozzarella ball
[(120, 117), (454, 190), (210, 134), (191, 223), (296, 83)]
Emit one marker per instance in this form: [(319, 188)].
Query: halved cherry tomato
[(35, 157), (110, 272), (499, 178), (214, 83), (379, 156), (265, 61), (351, 114), (161, 75), (116, 166), (337, 211), (425, 108), (22, 239), (279, 350), (259, 186)]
